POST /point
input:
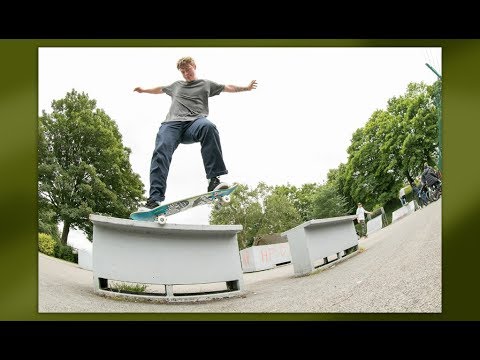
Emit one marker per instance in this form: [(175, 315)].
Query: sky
[(295, 126)]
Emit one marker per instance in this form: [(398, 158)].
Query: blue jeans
[(173, 133)]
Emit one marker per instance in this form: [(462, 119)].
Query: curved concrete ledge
[(150, 226), (172, 254)]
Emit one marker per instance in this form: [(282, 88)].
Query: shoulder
[(211, 82)]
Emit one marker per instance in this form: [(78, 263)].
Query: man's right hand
[(252, 85)]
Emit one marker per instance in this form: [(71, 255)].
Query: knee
[(209, 127), (164, 148), (204, 123), (206, 130)]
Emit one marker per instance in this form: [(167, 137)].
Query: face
[(188, 72)]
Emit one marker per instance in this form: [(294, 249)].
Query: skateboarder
[(187, 123)]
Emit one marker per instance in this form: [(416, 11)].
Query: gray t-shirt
[(190, 99)]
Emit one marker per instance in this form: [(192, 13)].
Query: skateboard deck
[(218, 197)]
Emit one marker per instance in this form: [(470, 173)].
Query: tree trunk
[(66, 229), (410, 180)]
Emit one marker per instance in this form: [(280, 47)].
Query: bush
[(65, 252), (46, 244), (49, 229)]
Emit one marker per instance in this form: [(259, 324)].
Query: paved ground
[(397, 269)]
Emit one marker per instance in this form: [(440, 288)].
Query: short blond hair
[(184, 61)]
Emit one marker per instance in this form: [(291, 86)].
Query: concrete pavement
[(396, 270)]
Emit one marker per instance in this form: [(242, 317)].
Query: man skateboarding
[(187, 123)]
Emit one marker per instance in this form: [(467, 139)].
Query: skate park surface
[(397, 269)]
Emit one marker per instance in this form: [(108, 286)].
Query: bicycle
[(435, 191)]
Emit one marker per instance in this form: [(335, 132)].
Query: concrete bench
[(374, 224), (403, 211), (85, 258), (263, 257), (172, 254), (313, 242)]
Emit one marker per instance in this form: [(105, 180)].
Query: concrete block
[(85, 258), (374, 224), (403, 211), (263, 257), (170, 254), (314, 241)]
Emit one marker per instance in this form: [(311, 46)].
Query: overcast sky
[(292, 129)]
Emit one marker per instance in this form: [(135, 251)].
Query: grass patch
[(128, 287)]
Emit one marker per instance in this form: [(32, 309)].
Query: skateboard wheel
[(217, 206), (226, 199), (162, 219)]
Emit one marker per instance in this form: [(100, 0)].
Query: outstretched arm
[(234, 88), (156, 90)]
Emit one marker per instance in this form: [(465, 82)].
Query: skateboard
[(217, 197)]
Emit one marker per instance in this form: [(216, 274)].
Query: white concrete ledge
[(403, 211), (172, 254), (85, 258), (374, 224), (313, 242)]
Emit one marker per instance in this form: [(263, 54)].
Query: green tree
[(336, 177), (369, 176), (301, 198), (263, 210), (83, 167), (328, 202), (392, 147), (416, 129), (47, 223), (244, 209), (279, 214)]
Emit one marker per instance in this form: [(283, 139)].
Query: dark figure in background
[(430, 176), (430, 179), (421, 195)]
